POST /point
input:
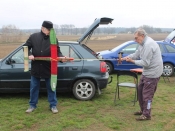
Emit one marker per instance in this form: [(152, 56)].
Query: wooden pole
[(26, 58)]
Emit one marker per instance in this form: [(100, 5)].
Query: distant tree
[(10, 33), (97, 31), (82, 30), (56, 28), (75, 31), (62, 29), (67, 29), (158, 30), (112, 30), (148, 29), (108, 30), (71, 28), (131, 30)]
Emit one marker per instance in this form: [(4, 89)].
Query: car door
[(12, 74), (127, 50), (169, 54), (68, 71), (163, 50)]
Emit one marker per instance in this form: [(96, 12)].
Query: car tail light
[(103, 68)]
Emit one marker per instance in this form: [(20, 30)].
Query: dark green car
[(84, 76)]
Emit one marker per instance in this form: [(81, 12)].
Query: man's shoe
[(30, 109), (138, 113), (143, 118), (54, 110)]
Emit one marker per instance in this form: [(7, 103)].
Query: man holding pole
[(41, 47)]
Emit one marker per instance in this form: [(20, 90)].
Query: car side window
[(18, 57), (170, 48), (130, 49), (69, 52), (161, 48)]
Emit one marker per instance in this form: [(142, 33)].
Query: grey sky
[(27, 14)]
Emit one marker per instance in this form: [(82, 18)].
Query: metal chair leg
[(115, 95), (118, 92)]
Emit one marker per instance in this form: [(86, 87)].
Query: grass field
[(98, 114)]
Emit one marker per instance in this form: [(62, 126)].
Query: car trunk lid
[(171, 38), (94, 25)]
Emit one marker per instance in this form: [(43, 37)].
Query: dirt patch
[(96, 43)]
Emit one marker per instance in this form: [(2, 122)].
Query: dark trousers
[(146, 89), (34, 92)]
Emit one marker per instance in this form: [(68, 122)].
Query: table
[(137, 70)]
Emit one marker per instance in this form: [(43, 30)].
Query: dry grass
[(97, 42)]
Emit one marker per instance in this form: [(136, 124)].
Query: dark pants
[(146, 89), (34, 92)]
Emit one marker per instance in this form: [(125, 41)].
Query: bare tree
[(71, 28), (56, 27), (10, 33), (62, 29), (148, 29)]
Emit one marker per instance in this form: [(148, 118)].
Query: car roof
[(68, 42)]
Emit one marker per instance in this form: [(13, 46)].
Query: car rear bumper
[(103, 81)]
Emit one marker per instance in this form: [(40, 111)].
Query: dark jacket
[(39, 45)]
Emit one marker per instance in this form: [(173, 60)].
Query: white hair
[(140, 31)]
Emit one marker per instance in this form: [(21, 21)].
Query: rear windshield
[(90, 50)]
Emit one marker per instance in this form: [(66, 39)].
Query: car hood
[(94, 25)]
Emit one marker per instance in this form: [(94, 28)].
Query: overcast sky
[(27, 14)]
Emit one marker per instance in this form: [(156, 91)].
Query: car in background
[(84, 76), (167, 48)]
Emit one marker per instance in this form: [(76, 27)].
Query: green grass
[(98, 114)]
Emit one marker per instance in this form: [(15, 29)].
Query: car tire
[(168, 69), (84, 89), (109, 67)]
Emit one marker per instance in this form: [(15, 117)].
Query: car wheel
[(84, 89), (168, 69), (109, 67)]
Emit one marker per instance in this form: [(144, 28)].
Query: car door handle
[(74, 68)]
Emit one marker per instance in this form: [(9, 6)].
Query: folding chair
[(120, 83), (164, 75)]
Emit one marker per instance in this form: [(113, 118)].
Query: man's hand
[(65, 59), (31, 57), (122, 59), (130, 60)]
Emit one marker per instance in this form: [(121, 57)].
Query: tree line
[(11, 33)]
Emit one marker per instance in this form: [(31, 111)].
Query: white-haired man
[(149, 57)]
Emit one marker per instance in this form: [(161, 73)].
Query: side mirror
[(9, 61), (120, 53)]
